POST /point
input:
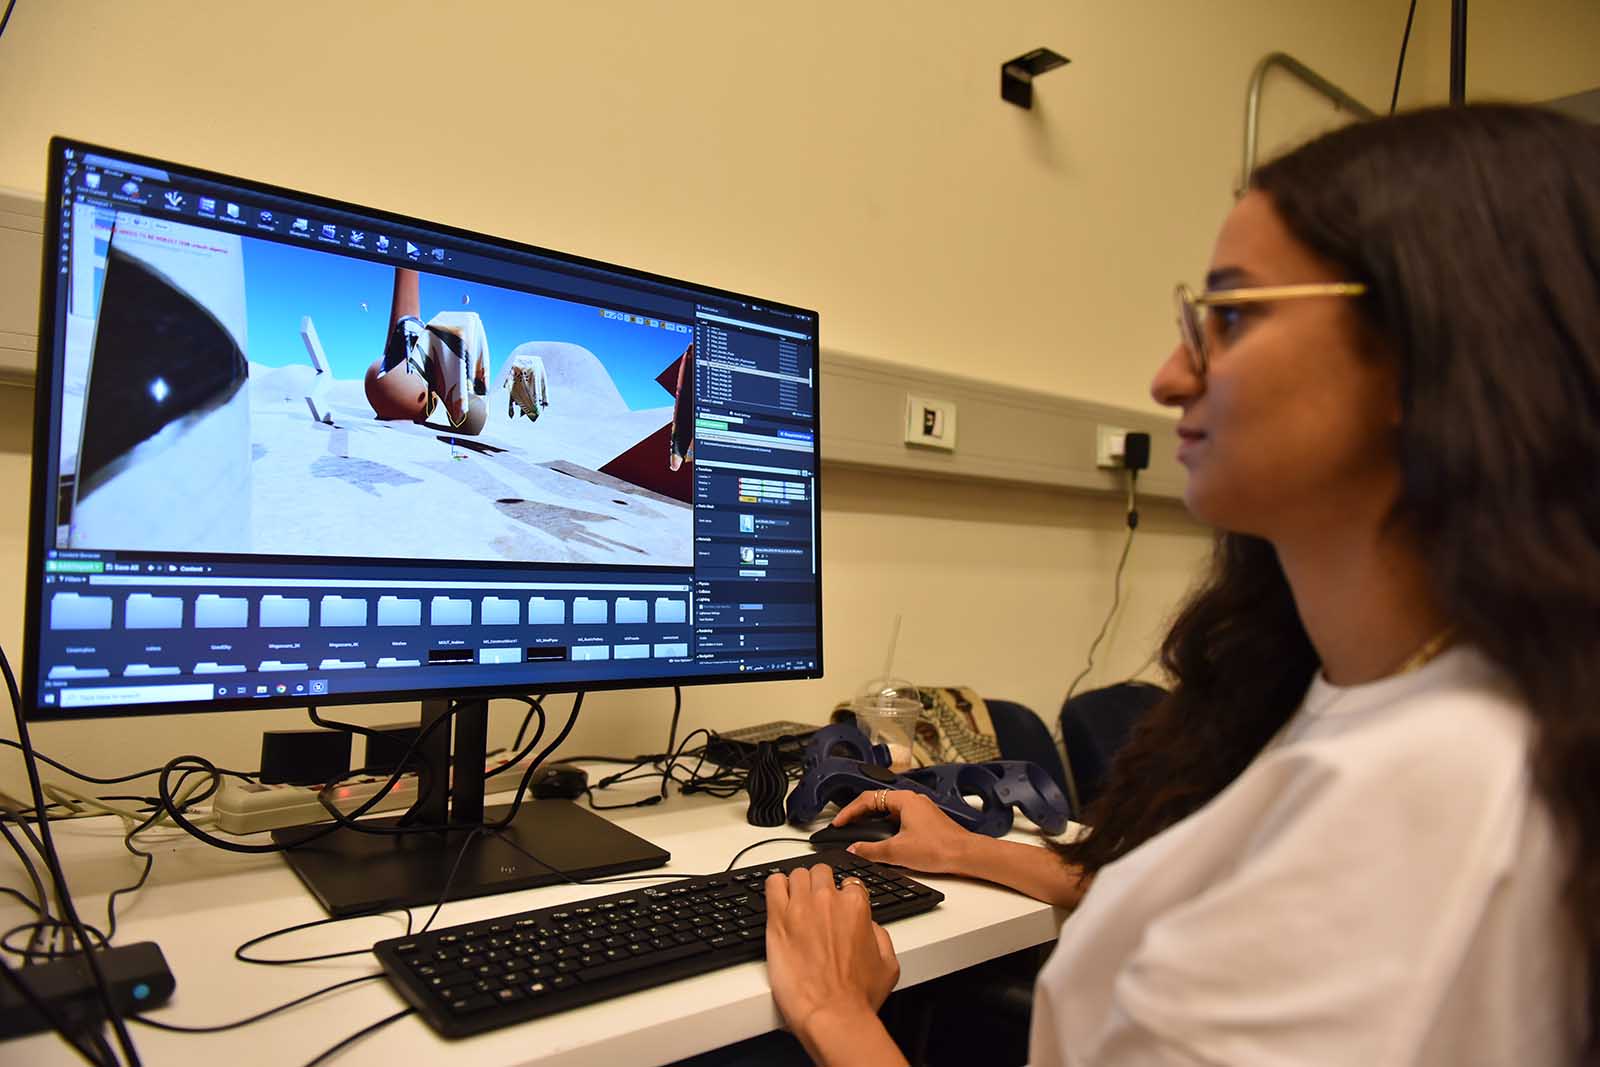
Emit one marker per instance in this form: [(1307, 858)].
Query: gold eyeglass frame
[(1192, 331)]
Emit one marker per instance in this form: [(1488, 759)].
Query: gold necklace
[(1427, 651)]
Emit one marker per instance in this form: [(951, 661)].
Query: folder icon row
[(74, 611), (143, 611), (450, 611), (342, 611), (148, 611), (213, 612), (583, 652), (544, 611), (145, 670), (285, 611), (633, 651), (67, 672), (398, 611), (501, 611)]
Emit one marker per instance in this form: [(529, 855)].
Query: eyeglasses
[(1193, 310)]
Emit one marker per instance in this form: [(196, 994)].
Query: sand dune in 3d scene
[(519, 489), (186, 441)]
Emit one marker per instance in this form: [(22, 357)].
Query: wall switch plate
[(1108, 446), (931, 423)]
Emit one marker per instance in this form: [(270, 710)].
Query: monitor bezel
[(33, 597)]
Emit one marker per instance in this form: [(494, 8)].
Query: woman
[(1365, 827)]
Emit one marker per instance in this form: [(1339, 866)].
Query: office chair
[(1094, 725)]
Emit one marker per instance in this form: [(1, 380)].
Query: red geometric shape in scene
[(645, 464), (668, 379)]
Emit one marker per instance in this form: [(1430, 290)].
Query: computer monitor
[(293, 451)]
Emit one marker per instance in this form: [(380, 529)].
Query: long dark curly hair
[(1477, 233)]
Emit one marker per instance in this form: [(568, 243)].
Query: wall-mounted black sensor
[(1016, 75)]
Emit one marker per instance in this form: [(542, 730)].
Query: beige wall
[(853, 157)]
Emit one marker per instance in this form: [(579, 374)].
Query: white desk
[(200, 903)]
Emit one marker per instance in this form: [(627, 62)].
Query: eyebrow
[(1227, 278)]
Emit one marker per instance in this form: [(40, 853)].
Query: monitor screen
[(295, 451)]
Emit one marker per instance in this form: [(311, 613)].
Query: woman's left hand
[(828, 962)]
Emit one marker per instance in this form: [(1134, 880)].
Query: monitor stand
[(351, 872)]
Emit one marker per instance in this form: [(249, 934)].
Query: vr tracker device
[(840, 764)]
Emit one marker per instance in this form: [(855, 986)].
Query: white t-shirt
[(1380, 886)]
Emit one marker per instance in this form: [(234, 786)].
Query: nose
[(1176, 383)]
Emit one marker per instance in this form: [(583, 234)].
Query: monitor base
[(352, 873)]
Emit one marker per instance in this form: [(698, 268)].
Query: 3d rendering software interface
[(297, 452)]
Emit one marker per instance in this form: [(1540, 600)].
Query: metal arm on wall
[(1458, 53), (1252, 108)]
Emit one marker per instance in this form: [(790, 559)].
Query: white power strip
[(244, 807)]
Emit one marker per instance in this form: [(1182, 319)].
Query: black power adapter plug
[(1136, 451), (1135, 457)]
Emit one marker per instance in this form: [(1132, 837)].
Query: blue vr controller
[(840, 764)]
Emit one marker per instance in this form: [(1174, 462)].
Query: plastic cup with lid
[(888, 710)]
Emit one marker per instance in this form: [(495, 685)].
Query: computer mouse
[(559, 781), (867, 828)]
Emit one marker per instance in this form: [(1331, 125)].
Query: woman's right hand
[(928, 839)]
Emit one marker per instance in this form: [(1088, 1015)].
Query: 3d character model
[(436, 368), (680, 448), (529, 388)]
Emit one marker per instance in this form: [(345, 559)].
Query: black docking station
[(136, 975)]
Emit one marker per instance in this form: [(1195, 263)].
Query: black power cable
[(155, 1024), (200, 763), (80, 776), (535, 703), (6, 17), (671, 756), (347, 821), (240, 952), (42, 907), (758, 844), (1394, 98), (333, 1050), (53, 865)]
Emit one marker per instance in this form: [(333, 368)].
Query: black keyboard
[(479, 976)]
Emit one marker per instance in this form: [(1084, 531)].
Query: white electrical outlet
[(1108, 446), (931, 423)]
